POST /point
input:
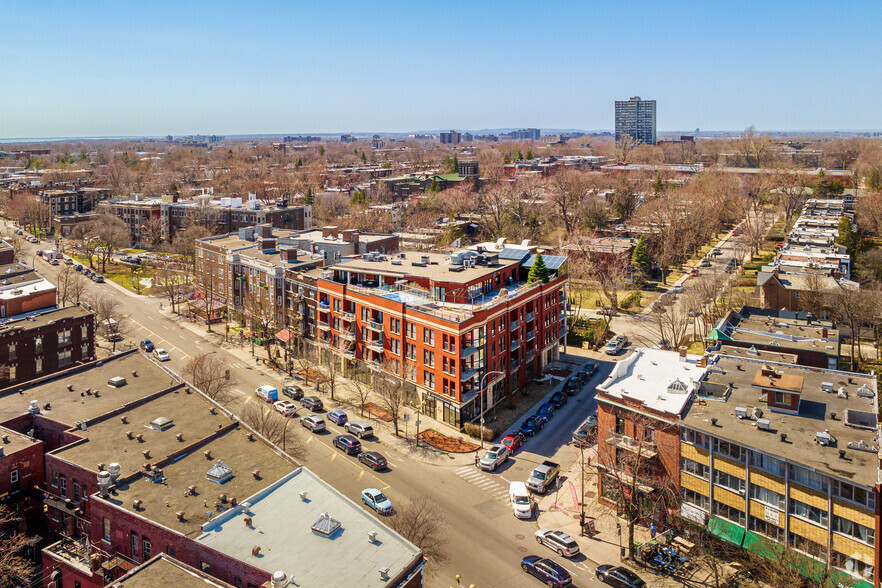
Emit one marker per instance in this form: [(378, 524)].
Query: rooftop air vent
[(825, 438), (161, 423), (220, 472), (372, 537), (827, 386), (116, 382), (763, 425), (325, 525), (865, 392), (863, 446), (741, 412)]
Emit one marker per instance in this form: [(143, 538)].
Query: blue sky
[(153, 68)]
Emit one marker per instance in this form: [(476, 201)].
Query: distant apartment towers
[(636, 118)]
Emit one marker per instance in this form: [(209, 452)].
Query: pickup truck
[(543, 476)]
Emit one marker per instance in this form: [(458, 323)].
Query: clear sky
[(181, 67)]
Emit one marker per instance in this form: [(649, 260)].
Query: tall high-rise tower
[(636, 117)]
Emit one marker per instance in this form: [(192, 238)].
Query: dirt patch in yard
[(445, 443), (378, 412)]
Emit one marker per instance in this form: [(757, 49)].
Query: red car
[(513, 441), (693, 273), (736, 232)]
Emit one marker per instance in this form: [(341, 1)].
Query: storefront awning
[(726, 531), (765, 548), (284, 335)]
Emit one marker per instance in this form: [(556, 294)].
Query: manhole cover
[(519, 536), (520, 469), (522, 549)]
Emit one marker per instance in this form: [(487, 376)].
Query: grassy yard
[(119, 273), (630, 301)]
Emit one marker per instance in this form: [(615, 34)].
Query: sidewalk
[(560, 511)]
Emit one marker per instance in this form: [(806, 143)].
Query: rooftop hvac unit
[(741, 412), (825, 438), (763, 425)]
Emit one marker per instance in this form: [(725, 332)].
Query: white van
[(521, 500)]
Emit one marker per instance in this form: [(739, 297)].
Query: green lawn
[(119, 273)]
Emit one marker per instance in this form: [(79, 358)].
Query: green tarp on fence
[(726, 531)]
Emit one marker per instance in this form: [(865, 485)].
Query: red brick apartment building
[(450, 325), (41, 344), (638, 443), (137, 466), (22, 289)]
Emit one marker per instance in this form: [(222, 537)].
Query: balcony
[(563, 316), (323, 326), (469, 351), (375, 326), (647, 449), (324, 306), (515, 345), (347, 316), (376, 345), (348, 335), (530, 356), (515, 364), (468, 373), (530, 336), (514, 325), (530, 316)]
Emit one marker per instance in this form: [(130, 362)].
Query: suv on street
[(146, 345), (338, 417), (557, 541), (373, 460), (558, 399), (615, 345), (286, 408), (312, 402), (293, 392), (495, 456), (313, 422), (348, 444), (360, 430)]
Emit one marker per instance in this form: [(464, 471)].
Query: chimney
[(248, 521), (682, 352), (329, 232), (824, 333), (180, 515), (289, 254), (775, 272)]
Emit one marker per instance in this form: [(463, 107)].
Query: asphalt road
[(486, 542)]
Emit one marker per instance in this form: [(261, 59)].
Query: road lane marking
[(360, 474)]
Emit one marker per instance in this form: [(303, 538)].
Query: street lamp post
[(481, 391)]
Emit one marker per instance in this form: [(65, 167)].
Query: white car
[(557, 541), (677, 289), (285, 407), (495, 456), (161, 354)]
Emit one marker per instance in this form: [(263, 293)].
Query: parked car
[(586, 434), (285, 407), (68, 261), (614, 345), (267, 392), (532, 425), (377, 501), (693, 272), (591, 368), (348, 444), (715, 251), (521, 500), (146, 345), (495, 456), (513, 442), (543, 476), (338, 417), (558, 541), (677, 289), (571, 388), (735, 232), (547, 411), (78, 267), (313, 422), (161, 354), (360, 430), (619, 576), (98, 278), (293, 392), (549, 571), (373, 460), (558, 399), (705, 262), (312, 402)]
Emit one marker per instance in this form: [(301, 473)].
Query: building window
[(725, 480), (694, 468), (620, 424), (853, 493), (854, 566), (65, 358), (429, 336), (694, 498), (731, 450), (12, 351), (808, 512), (808, 478), (146, 547), (63, 485), (767, 464), (38, 344), (807, 546), (64, 337), (205, 567), (854, 530), (12, 372), (694, 437), (395, 346), (84, 352), (13, 476), (728, 512), (395, 326), (428, 379), (170, 550), (767, 496), (135, 545), (38, 367), (105, 529), (410, 330), (429, 358), (766, 528), (76, 491)]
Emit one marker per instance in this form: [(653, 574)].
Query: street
[(486, 541)]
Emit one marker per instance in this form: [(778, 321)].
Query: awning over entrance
[(725, 530), (284, 335)]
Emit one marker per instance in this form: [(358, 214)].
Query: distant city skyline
[(345, 67)]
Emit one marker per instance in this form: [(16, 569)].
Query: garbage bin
[(622, 552)]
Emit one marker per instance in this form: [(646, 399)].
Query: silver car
[(495, 456), (313, 422)]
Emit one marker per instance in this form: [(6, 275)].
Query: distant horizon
[(502, 130)]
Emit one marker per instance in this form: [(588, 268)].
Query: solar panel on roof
[(512, 253), (552, 262)]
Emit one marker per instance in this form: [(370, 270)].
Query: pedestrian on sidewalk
[(652, 530), (160, 306), (477, 459)]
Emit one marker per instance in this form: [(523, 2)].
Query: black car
[(558, 399), (146, 345), (571, 388), (348, 444), (591, 368), (547, 570), (313, 403), (373, 460), (619, 577), (293, 392)]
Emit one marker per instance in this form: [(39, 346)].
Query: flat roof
[(438, 268), (107, 441), (161, 502), (788, 332), (14, 441), (750, 352), (814, 417), (282, 528), (73, 406), (44, 318), (27, 284), (163, 570), (655, 377)]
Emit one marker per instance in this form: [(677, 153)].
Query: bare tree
[(421, 520), (185, 244), (362, 393), (62, 284), (670, 321), (609, 269), (151, 232), (716, 556), (567, 190), (276, 428), (753, 147), (14, 569), (109, 233), (170, 283), (390, 388), (856, 307), (792, 194), (109, 316), (624, 146), (211, 374)]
